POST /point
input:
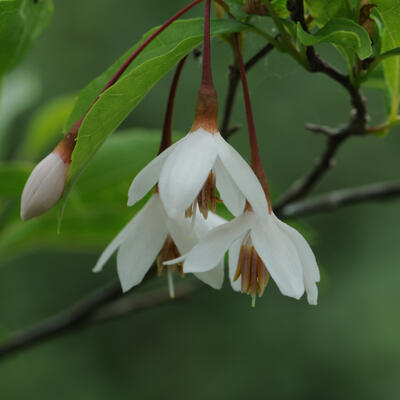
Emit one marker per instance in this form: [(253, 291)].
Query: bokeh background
[(213, 345)]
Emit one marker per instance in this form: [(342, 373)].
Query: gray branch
[(340, 198)]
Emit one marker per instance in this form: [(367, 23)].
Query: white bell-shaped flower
[(183, 171), (152, 236), (258, 246)]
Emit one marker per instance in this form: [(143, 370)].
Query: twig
[(344, 197), (334, 138), (102, 305), (129, 304), (234, 78), (303, 186), (66, 321)]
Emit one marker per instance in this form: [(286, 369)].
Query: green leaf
[(165, 43), (98, 203), (45, 127), (118, 101), (21, 21), (323, 11), (342, 32), (118, 162), (389, 53), (389, 12), (236, 8), (280, 7)]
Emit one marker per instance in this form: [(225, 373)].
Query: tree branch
[(344, 197), (107, 303), (303, 186), (104, 304), (334, 138)]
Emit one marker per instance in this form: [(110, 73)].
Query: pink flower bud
[(44, 186)]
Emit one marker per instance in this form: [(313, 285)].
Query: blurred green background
[(213, 345)]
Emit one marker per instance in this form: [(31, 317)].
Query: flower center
[(206, 199), (168, 252), (252, 270)]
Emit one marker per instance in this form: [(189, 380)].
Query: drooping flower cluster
[(176, 229)]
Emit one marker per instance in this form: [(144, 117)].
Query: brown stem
[(334, 138), (207, 79), (166, 138), (256, 163), (234, 77)]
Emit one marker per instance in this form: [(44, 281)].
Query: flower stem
[(256, 163), (206, 114), (207, 73), (166, 138), (75, 128)]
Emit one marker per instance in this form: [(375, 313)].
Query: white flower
[(185, 174), (259, 246), (44, 186), (151, 235)]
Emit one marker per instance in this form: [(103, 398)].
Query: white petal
[(211, 249), (44, 186), (214, 277), (186, 235), (234, 252), (230, 194), (215, 220), (279, 256), (182, 233), (144, 241), (203, 226), (309, 263), (113, 246), (243, 176), (186, 170), (148, 176)]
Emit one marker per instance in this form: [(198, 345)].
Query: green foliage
[(324, 10), (45, 127), (21, 21), (118, 101), (344, 33), (236, 8), (98, 200), (389, 13), (280, 7)]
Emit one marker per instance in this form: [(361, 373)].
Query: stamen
[(252, 270), (206, 199), (168, 252)]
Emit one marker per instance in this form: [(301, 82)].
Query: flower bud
[(44, 186), (46, 183)]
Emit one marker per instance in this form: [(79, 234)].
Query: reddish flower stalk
[(206, 116), (207, 79), (166, 138), (256, 163), (75, 128)]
